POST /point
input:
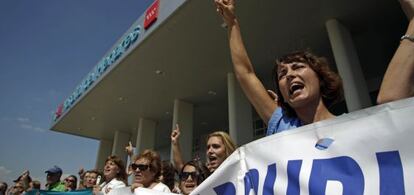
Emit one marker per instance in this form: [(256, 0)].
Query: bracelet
[(408, 37)]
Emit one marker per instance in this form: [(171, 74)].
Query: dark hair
[(76, 181), (200, 169), (155, 161), (36, 184), (29, 179), (121, 175), (330, 82), (95, 171), (168, 174), (5, 187)]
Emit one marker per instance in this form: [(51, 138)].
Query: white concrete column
[(121, 140), (183, 116), (105, 149), (145, 135), (347, 62), (240, 113)]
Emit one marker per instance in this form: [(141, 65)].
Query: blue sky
[(46, 48)]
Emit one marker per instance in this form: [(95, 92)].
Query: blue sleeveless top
[(280, 122)]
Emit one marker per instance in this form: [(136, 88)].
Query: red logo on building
[(151, 14), (59, 111)]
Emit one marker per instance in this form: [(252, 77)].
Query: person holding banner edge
[(306, 87)]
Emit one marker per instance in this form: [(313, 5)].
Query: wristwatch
[(409, 37)]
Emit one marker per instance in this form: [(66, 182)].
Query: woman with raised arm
[(306, 87), (398, 82), (219, 147)]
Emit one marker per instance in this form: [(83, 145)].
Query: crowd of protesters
[(306, 88), (147, 168)]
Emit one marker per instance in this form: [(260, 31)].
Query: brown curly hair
[(121, 175), (168, 174), (155, 161), (330, 82)]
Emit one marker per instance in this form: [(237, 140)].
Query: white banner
[(137, 191), (371, 153)]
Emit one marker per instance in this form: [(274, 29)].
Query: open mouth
[(212, 159), (295, 87), (190, 185)]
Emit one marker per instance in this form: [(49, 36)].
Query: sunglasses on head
[(141, 167), (184, 175)]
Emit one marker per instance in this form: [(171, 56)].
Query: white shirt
[(161, 187), (113, 184)]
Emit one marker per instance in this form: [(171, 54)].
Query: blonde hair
[(227, 141)]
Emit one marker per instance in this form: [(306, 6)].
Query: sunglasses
[(70, 180), (184, 175), (141, 167)]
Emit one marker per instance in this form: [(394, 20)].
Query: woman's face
[(70, 182), (216, 153), (18, 188), (188, 179), (298, 83), (143, 172), (110, 170), (90, 179)]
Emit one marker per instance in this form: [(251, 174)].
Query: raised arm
[(175, 144), (243, 68), (81, 174), (408, 7), (25, 179), (130, 151), (398, 81)]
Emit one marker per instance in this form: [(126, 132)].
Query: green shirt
[(57, 187)]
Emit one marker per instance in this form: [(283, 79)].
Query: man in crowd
[(53, 182)]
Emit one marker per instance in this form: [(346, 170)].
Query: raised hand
[(408, 7), (175, 135), (81, 173), (25, 174), (226, 8), (129, 149), (96, 190)]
